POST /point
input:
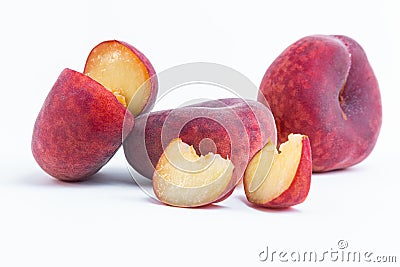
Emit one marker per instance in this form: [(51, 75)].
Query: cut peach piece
[(280, 180), (184, 179), (124, 71)]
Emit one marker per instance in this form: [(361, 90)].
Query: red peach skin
[(324, 87), (79, 127), (300, 186)]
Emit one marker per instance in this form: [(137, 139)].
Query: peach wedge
[(280, 179)]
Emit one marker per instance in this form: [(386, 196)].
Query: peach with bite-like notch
[(184, 179), (233, 128)]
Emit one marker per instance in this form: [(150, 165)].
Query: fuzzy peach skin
[(79, 127), (324, 87), (233, 128)]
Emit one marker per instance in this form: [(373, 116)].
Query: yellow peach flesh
[(182, 178), (266, 181), (121, 71)]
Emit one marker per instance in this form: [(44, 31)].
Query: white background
[(109, 221)]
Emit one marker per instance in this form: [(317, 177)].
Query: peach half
[(81, 123), (79, 128)]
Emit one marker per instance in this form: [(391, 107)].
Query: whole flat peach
[(324, 87)]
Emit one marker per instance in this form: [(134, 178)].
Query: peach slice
[(184, 179), (280, 179), (124, 71)]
